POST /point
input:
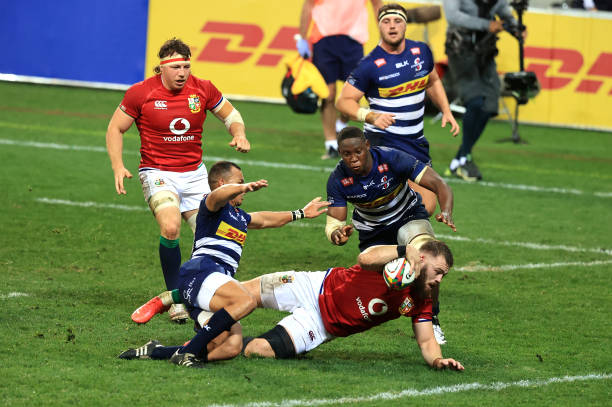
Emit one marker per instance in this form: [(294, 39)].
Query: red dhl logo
[(231, 233), (405, 88), (571, 62), (251, 38)]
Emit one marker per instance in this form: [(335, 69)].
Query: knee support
[(416, 233), (280, 342), (163, 199)]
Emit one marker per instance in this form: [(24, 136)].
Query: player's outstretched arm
[(435, 92), (234, 125), (430, 349), (348, 103), (225, 193), (118, 125), (375, 257), (266, 219), (434, 182)]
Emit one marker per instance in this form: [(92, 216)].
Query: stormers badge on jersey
[(406, 306), (194, 103)]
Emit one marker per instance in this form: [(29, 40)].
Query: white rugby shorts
[(190, 186), (301, 298)]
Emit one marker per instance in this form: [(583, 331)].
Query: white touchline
[(432, 391), (509, 267), (13, 295), (303, 223), (100, 149)]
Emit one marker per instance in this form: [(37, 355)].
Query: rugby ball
[(397, 274)]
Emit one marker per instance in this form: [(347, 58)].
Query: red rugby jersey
[(170, 123), (355, 300)]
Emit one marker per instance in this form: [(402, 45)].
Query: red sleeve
[(133, 100), (212, 94), (424, 313)]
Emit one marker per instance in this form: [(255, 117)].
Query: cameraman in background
[(471, 50)]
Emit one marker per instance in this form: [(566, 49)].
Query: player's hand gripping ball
[(397, 274)]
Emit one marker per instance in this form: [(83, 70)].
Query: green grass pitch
[(526, 308)]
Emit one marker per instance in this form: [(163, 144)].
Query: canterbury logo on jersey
[(161, 105), (231, 233), (380, 201), (405, 88)]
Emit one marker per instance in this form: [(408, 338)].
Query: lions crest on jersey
[(194, 103)]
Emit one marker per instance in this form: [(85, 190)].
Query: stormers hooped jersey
[(381, 198), (221, 235), (354, 300), (170, 123), (396, 84)]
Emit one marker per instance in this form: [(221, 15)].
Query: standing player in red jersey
[(169, 110), (340, 302)]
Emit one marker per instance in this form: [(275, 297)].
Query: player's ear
[(367, 143)]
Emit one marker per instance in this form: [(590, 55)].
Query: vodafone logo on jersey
[(179, 126)]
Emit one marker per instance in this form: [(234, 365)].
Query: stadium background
[(241, 45)]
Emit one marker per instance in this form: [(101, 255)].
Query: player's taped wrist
[(297, 215), (332, 225), (401, 251), (362, 113)]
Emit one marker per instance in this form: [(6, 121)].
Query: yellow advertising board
[(240, 45)]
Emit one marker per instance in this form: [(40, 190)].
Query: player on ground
[(207, 280), (340, 302), (386, 209), (169, 110), (395, 77)]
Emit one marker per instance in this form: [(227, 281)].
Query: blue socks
[(219, 322), (170, 259)]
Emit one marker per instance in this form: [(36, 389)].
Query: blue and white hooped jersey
[(221, 235), (382, 198), (396, 83)]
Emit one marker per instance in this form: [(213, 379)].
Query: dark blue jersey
[(382, 199), (221, 235), (396, 83)]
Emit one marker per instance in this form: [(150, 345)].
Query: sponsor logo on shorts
[(406, 306), (311, 335), (380, 62), (231, 233), (347, 181), (415, 51), (286, 279), (161, 105), (159, 182), (405, 88), (194, 103)]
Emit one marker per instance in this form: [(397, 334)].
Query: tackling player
[(386, 209), (340, 302), (169, 110), (394, 78), (207, 280)]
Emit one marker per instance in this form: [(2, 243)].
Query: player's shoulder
[(338, 172), (417, 48), (145, 86), (200, 83)]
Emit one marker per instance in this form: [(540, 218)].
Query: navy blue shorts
[(336, 56), (419, 150), (388, 236), (192, 275)]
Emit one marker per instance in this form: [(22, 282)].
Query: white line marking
[(529, 245), (92, 204), (432, 391), (520, 187), (13, 295), (509, 267)]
